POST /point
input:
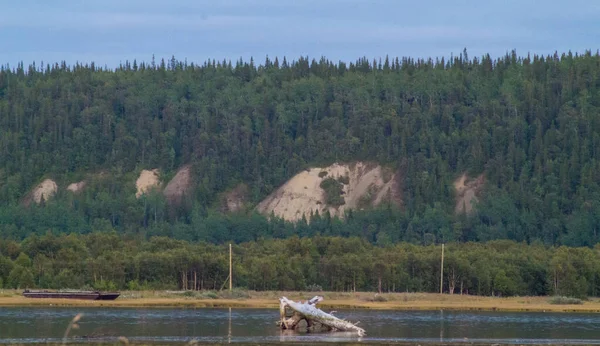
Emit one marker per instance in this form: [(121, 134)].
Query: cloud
[(122, 20)]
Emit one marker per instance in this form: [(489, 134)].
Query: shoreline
[(333, 300)]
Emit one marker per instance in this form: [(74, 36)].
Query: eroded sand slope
[(146, 181), (368, 185), (467, 191), (44, 191), (179, 185), (76, 187)]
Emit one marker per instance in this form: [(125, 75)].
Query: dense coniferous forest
[(529, 125)]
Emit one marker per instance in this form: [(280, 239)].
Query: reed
[(72, 325)]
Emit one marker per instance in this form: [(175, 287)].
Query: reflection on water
[(289, 336), (29, 325)]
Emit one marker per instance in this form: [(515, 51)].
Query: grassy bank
[(333, 300)]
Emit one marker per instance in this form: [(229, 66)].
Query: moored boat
[(87, 295)]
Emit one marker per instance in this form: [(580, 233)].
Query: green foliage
[(105, 285), (344, 179), (499, 267), (135, 285), (6, 266), (322, 174), (333, 192), (235, 293), (503, 285), (209, 295), (66, 278), (189, 294), (23, 260), (561, 300), (314, 288), (20, 277)]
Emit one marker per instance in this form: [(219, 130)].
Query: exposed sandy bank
[(368, 185), (146, 181), (467, 192)]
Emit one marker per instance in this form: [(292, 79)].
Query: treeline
[(383, 226), (110, 261), (529, 124)]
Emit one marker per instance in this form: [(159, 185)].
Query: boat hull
[(108, 296), (72, 295)]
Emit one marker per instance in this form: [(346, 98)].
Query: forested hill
[(528, 126)]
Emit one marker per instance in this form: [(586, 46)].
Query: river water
[(36, 325)]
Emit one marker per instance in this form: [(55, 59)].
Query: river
[(48, 324)]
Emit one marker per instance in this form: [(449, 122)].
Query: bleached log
[(292, 322), (313, 314)]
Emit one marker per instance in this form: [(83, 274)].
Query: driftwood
[(307, 311), (297, 317)]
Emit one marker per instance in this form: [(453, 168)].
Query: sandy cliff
[(367, 185), (146, 181), (467, 191)]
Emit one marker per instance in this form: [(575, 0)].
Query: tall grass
[(561, 300)]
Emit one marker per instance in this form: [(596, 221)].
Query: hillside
[(527, 126)]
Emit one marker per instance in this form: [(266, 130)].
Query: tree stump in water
[(311, 314)]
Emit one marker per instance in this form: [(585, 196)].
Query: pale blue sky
[(112, 31)]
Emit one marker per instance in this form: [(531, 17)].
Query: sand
[(45, 190), (179, 185), (234, 201), (466, 193), (76, 187), (302, 194), (146, 181)]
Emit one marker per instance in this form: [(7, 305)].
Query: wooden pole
[(442, 272), (230, 277)]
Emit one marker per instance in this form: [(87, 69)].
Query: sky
[(109, 32)]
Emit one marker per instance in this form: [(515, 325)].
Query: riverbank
[(333, 300)]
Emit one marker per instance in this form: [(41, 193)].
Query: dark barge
[(87, 295)]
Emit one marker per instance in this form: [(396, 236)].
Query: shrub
[(376, 298), (209, 295), (322, 174), (236, 293), (562, 300), (189, 294), (133, 285), (20, 277), (105, 285), (333, 192), (314, 288), (344, 179), (379, 298)]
